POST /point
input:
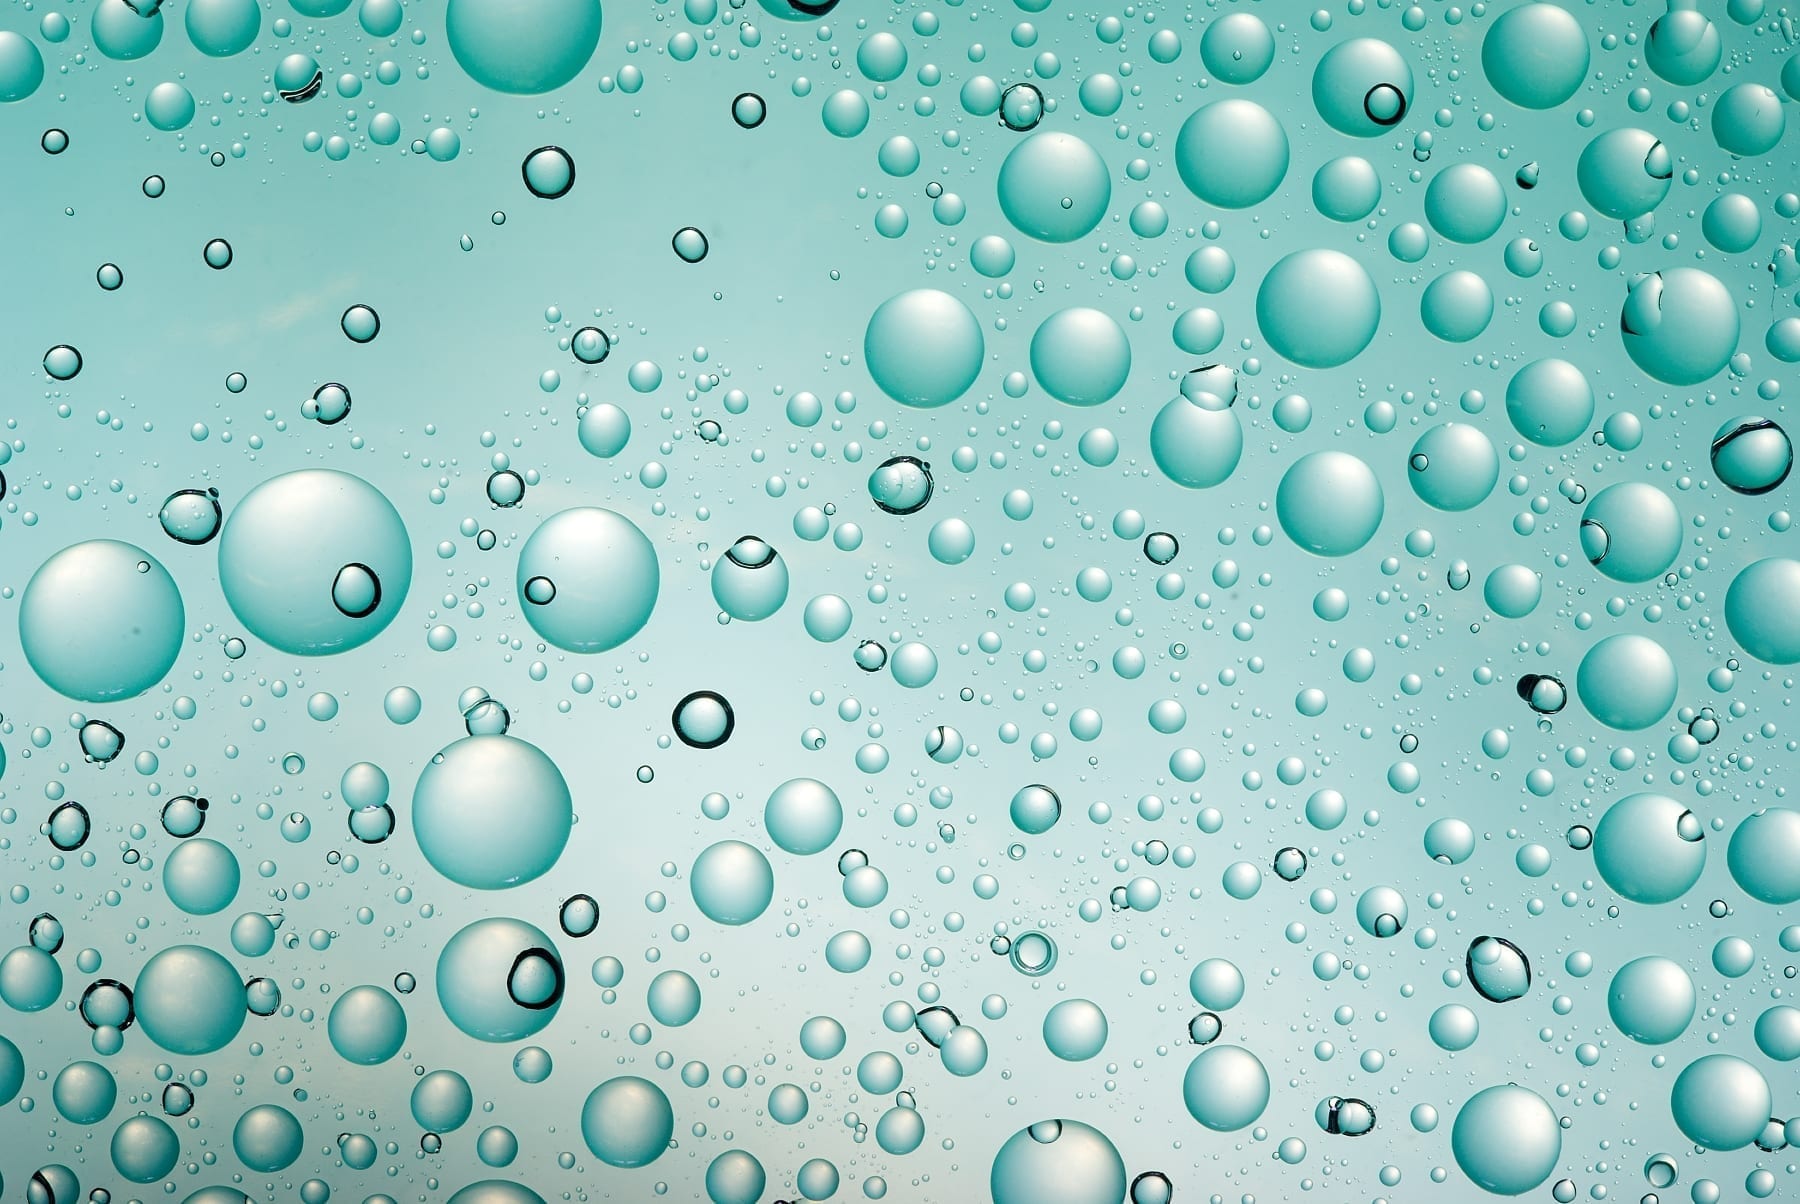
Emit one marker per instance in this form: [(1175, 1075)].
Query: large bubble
[(588, 579), (101, 621), (732, 882), (121, 32), (1535, 55), (1362, 87), (1232, 153), (1329, 502), (803, 816), (1057, 1162), (1507, 1139), (189, 1000), (1684, 46), (1550, 402), (1080, 356), (522, 46), (1679, 325), (1465, 203), (1631, 531), (21, 66), (1625, 173), (1721, 1102), (1764, 855), (1453, 466), (222, 28), (1318, 308), (367, 1025), (1628, 682), (1194, 446), (500, 979), (1649, 848), (491, 812), (1054, 187), (315, 562), (1762, 610), (627, 1121), (1651, 1000), (1226, 1088), (923, 348)]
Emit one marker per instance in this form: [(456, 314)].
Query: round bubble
[(1453, 1027), (1679, 325), (1035, 809), (1752, 455), (120, 32), (750, 582), (487, 1191), (673, 998), (1053, 187), (1232, 153), (1194, 446), (189, 1000), (1550, 402), (803, 816), (1457, 306), (1624, 173), (1649, 848), (1721, 1102), (1507, 1139), (366, 1025), (1778, 1032), (1216, 984), (1226, 1088), (491, 812), (1535, 55), (1329, 502), (1627, 682), (1362, 87), (222, 28), (1237, 48), (1732, 223), (315, 562), (522, 46), (1453, 466), (1465, 203), (1346, 189), (499, 979), (268, 1138), (145, 1149), (1075, 1030), (84, 1092), (923, 347), (1057, 1162), (442, 1101), (1631, 531), (1748, 120), (735, 1177), (627, 1121), (1683, 47), (201, 876), (1318, 308), (1651, 1000), (604, 430), (12, 1071), (1762, 610), (1764, 855), (101, 621), (1512, 591), (732, 882), (1080, 356), (604, 574)]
